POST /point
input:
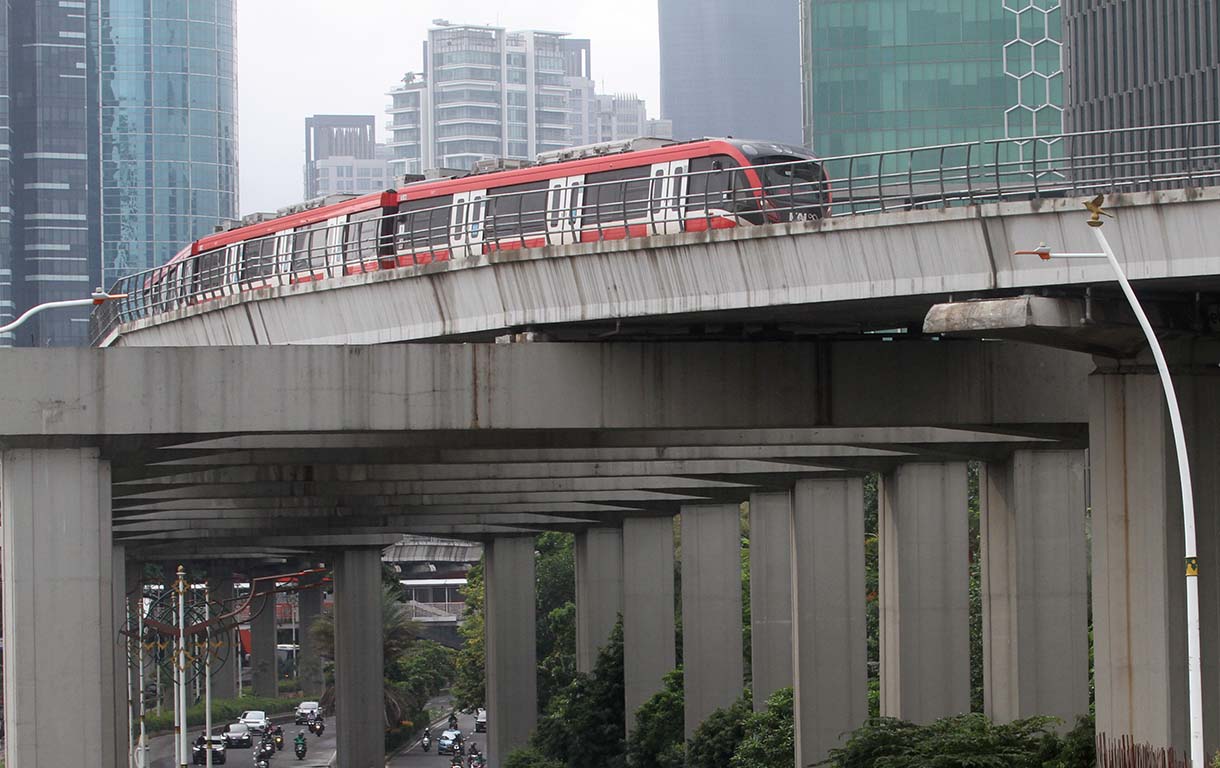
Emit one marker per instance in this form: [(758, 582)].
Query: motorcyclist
[(453, 720), (299, 746), (199, 742)]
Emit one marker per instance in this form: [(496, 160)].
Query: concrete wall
[(863, 258)]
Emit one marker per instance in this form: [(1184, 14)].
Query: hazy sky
[(303, 57)]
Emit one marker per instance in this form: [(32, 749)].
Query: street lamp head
[(101, 297), (1043, 252)]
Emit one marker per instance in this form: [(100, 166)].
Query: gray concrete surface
[(512, 663), (711, 610), (359, 664), (1034, 581), (771, 581), (830, 623), (599, 591), (649, 651), (923, 564), (62, 606)]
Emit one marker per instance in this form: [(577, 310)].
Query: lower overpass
[(123, 456)]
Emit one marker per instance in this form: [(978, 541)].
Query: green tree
[(398, 633), (769, 740), (716, 739), (583, 727), (964, 741), (555, 593), (470, 676), (657, 739)]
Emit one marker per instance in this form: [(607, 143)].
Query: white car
[(255, 720), (307, 710)]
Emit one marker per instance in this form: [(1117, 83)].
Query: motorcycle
[(300, 750), (426, 742), (317, 726), (279, 741)]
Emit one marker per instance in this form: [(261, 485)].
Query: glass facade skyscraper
[(892, 74), (51, 142), (168, 126), (118, 136)]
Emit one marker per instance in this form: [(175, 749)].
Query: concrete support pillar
[(770, 595), (61, 644), (599, 591), (649, 651), (924, 580), (711, 609), (1034, 586), (512, 656), (1139, 603), (309, 664), (263, 677), (359, 663), (224, 671), (829, 603)]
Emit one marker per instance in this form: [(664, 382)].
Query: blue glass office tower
[(168, 127), (118, 135)]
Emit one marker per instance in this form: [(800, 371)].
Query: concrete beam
[(78, 394), (512, 664), (359, 666), (770, 594), (829, 605), (62, 652), (923, 558), (1035, 587), (711, 610), (599, 591), (649, 651)]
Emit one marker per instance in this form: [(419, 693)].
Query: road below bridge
[(321, 752)]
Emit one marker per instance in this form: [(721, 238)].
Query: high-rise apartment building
[(486, 92), (1141, 62), (169, 128), (342, 156), (730, 68), (624, 116), (118, 137), (892, 74)]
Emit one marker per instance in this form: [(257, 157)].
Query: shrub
[(769, 740), (657, 740), (224, 711), (965, 741), (717, 738)]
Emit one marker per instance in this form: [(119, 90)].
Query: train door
[(565, 202), (334, 244), (466, 223), (667, 197)]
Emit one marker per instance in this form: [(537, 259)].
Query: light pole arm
[(1193, 652), (99, 297)]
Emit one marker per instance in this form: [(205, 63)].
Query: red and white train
[(583, 195)]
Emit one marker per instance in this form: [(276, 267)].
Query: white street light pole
[(1194, 672), (99, 297), (207, 677)]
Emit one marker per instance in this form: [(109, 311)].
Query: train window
[(258, 258), (309, 248), (423, 223), (614, 195), (212, 269), (360, 236), (658, 190), (573, 213), (710, 182), (516, 210), (556, 201)]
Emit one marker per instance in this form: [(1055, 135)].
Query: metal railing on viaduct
[(948, 176)]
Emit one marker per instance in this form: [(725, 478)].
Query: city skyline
[(277, 93)]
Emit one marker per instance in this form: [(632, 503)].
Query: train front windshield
[(796, 188)]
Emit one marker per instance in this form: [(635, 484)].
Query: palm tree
[(398, 632)]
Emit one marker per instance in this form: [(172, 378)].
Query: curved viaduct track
[(840, 276)]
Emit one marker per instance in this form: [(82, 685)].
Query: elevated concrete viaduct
[(330, 453)]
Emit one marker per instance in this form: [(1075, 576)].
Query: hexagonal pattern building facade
[(1034, 58)]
